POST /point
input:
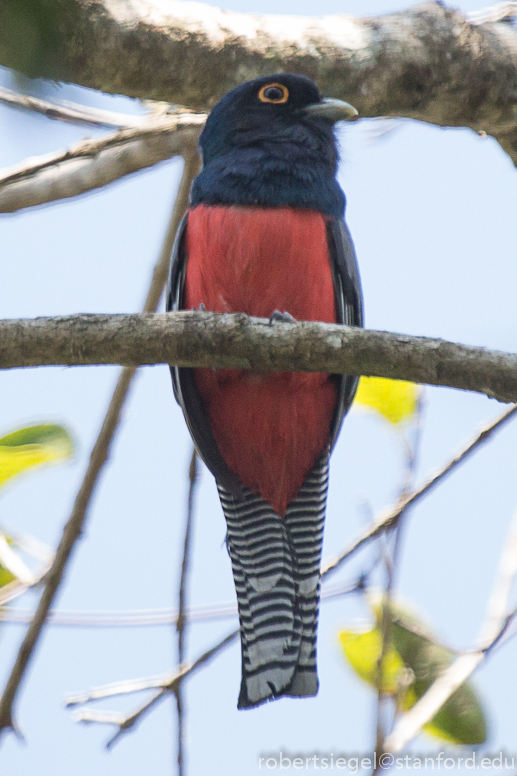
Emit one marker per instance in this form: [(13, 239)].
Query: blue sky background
[(433, 216)]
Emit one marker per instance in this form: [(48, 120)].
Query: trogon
[(265, 235)]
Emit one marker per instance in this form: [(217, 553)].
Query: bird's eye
[(275, 93)]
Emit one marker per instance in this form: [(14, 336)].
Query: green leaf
[(362, 650), (5, 576), (395, 400), (32, 446), (461, 720)]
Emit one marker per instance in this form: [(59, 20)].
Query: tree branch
[(236, 341), (428, 63), (497, 13), (71, 112), (94, 163), (165, 684), (182, 619), (138, 618)]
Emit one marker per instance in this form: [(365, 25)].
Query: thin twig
[(71, 112), (144, 617), (167, 684), (181, 622), (391, 561), (495, 13), (128, 686), (390, 516), (497, 619), (75, 525)]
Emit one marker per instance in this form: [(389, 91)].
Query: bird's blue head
[(270, 142)]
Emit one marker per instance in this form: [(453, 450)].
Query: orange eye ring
[(275, 100)]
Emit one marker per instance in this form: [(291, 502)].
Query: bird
[(264, 234)]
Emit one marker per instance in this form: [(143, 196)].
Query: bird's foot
[(201, 309), (279, 317)]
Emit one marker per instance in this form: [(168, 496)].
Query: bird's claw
[(279, 317), (201, 309)]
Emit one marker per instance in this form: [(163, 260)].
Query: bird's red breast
[(270, 427)]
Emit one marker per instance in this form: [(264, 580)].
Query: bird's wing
[(349, 299), (185, 389)]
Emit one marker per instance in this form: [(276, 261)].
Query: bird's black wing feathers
[(185, 389), (349, 300)]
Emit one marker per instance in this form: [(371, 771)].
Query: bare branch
[(391, 549), (182, 619), (91, 164), (193, 338), (146, 617), (496, 622), (497, 13), (390, 516), (75, 525), (70, 112), (164, 684), (428, 63), (169, 683)]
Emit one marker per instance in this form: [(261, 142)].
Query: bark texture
[(92, 164), (425, 63), (239, 342)]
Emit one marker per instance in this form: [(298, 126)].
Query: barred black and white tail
[(276, 569)]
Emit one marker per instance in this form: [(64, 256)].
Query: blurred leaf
[(461, 720), (32, 446), (395, 400), (5, 576), (363, 650), (12, 562)]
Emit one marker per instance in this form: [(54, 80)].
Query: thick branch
[(94, 163), (192, 338), (427, 63)]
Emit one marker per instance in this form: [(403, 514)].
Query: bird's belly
[(269, 427)]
